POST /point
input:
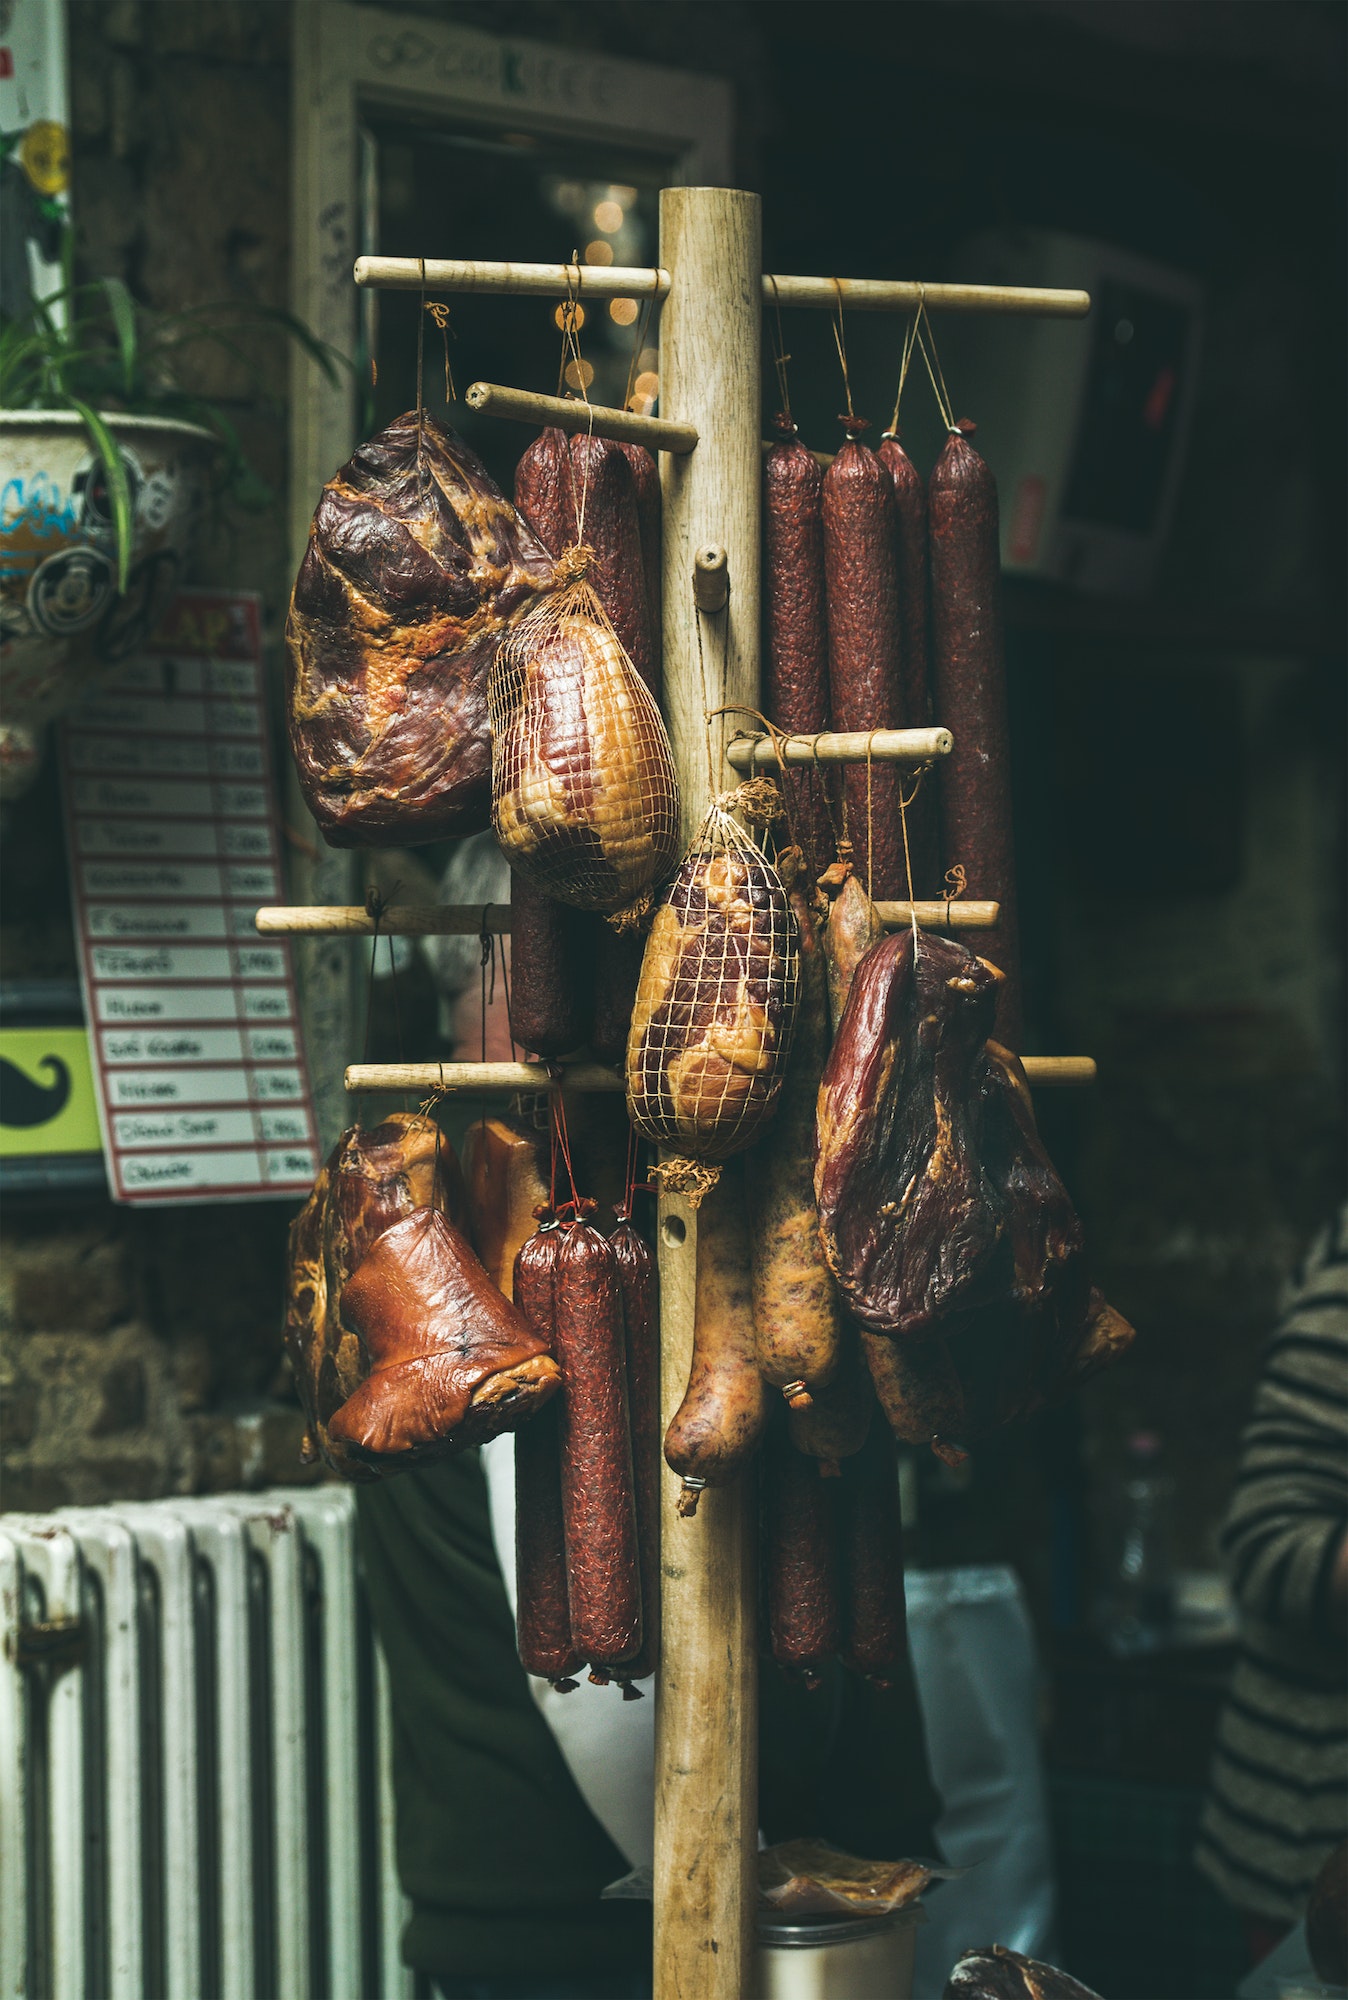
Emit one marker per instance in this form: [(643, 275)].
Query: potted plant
[(108, 468)]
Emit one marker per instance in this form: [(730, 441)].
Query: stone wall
[(141, 1352)]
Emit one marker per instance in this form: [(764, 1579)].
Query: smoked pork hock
[(716, 1004), (452, 1361), (374, 1176), (415, 566)]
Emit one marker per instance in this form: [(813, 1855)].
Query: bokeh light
[(623, 311), (608, 216), (579, 374), (598, 253)]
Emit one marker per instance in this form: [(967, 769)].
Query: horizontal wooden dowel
[(1069, 1071), (539, 281), (938, 915), (906, 294), (397, 920), (884, 746), (452, 1077), (466, 919), (480, 1076), (566, 414), (616, 281)]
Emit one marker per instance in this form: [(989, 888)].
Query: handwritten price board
[(174, 840)]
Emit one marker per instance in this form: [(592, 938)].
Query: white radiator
[(195, 1794)]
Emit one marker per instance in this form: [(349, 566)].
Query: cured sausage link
[(968, 673), (606, 489), (715, 1430), (797, 1317), (542, 1613), (864, 640), (646, 487), (910, 524), (544, 492), (795, 627), (875, 1627), (637, 1277), (800, 1559), (598, 1499), (551, 999)]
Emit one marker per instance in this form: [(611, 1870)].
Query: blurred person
[(1278, 1792)]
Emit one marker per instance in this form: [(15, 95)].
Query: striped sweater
[(1278, 1794)]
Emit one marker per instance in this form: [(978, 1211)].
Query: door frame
[(346, 57)]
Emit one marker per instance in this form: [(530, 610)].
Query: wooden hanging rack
[(711, 283)]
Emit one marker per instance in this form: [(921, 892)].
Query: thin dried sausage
[(542, 1611), (968, 675), (800, 1558), (910, 527), (646, 485), (795, 626), (598, 1497), (551, 972), (636, 1275), (861, 577), (606, 496), (875, 1628)]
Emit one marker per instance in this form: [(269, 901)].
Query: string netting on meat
[(716, 1004), (585, 800)]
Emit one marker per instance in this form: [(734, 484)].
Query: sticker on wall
[(47, 1099), (174, 841), (34, 151)]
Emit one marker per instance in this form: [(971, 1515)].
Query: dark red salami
[(637, 1277), (864, 644), (606, 494), (799, 1539), (551, 972), (910, 523), (542, 1614), (795, 627), (968, 678), (598, 1498), (875, 1627)]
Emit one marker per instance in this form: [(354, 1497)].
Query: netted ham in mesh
[(716, 1005), (585, 801)]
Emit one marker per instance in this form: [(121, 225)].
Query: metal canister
[(839, 1958)]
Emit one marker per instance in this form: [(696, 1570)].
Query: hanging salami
[(795, 628), (968, 676), (864, 646)]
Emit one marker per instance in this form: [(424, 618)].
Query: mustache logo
[(25, 1103)]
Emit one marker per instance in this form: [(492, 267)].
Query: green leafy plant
[(91, 349)]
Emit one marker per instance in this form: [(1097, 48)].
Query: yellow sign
[(47, 1102)]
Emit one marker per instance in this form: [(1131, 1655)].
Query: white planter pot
[(62, 623)]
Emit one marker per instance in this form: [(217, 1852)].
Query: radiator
[(195, 1795)]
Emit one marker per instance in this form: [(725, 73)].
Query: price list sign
[(174, 841)]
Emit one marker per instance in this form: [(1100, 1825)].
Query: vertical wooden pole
[(706, 1723)]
